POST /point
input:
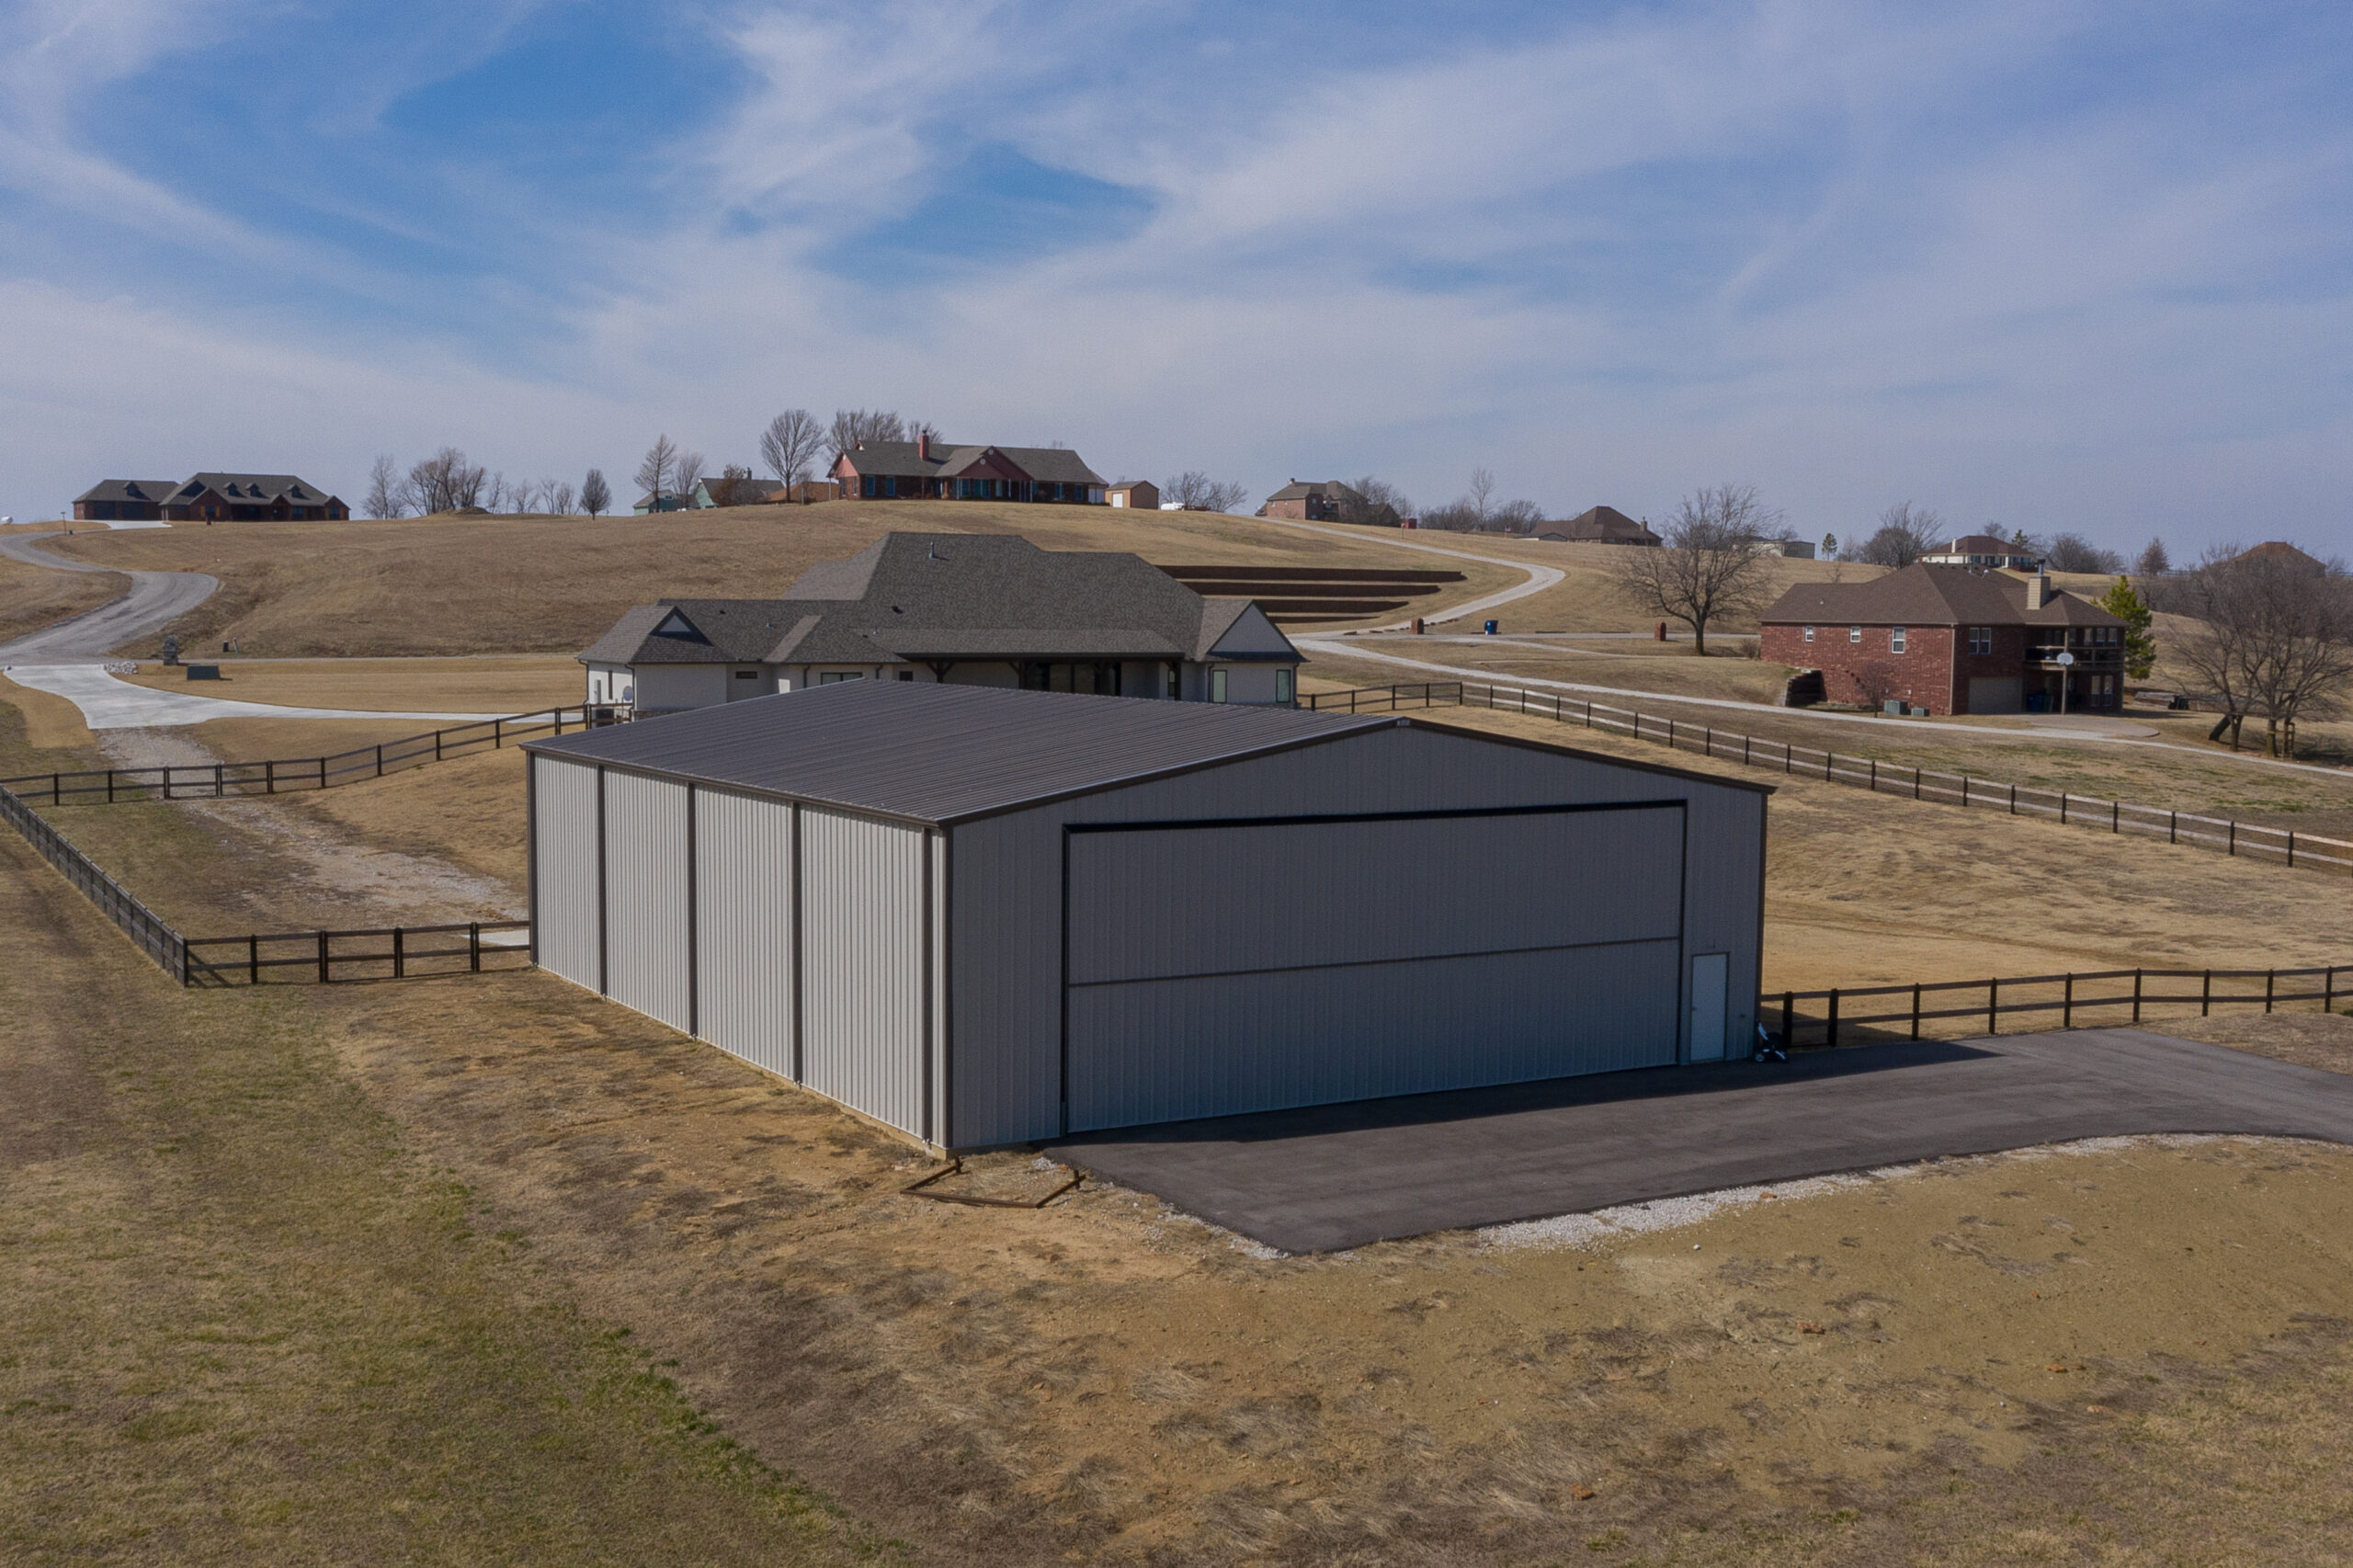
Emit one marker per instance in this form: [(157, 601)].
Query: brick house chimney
[(923, 445), (2038, 590)]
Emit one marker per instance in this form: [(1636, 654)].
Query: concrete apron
[(107, 703)]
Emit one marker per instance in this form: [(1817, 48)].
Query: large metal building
[(987, 916)]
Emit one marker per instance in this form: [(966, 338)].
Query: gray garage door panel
[(1215, 900), (1167, 1050)]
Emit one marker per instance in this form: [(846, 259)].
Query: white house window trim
[(1896, 639), (1218, 683), (1809, 633), (1853, 634)]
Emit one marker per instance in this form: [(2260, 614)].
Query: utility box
[(202, 672)]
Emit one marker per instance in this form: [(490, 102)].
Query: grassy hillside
[(552, 584)]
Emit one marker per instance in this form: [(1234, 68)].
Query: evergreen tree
[(2140, 649), (1830, 546)]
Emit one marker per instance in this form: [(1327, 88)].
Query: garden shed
[(986, 916)]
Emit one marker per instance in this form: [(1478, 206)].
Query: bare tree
[(558, 495), (1196, 491), (919, 429), (1482, 485), (1375, 503), (654, 472), (446, 481), (1906, 533), (1710, 567), (790, 444), (852, 426), (2074, 553), (1515, 518), (684, 475), (2272, 638), (596, 495), (736, 487), (387, 496)]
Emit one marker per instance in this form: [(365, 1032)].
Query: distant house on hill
[(2279, 550), (1141, 495), (966, 609), (1983, 550), (1309, 501), (1951, 640), (210, 497), (1599, 525), (924, 469), (692, 498)]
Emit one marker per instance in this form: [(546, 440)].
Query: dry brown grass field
[(34, 596), (552, 584), (1589, 598), (518, 683), (520, 1275)]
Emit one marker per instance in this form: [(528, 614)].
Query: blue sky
[(2050, 265)]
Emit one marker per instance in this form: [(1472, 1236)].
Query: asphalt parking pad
[(1332, 1176)]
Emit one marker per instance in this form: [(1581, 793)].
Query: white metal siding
[(645, 894), (862, 963), (563, 834), (1319, 961), (743, 927)]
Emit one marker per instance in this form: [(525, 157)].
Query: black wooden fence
[(216, 780), (2099, 998), (2275, 846), (391, 953)]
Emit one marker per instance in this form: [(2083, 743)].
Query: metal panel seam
[(604, 987)]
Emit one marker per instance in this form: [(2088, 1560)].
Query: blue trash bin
[(1490, 628)]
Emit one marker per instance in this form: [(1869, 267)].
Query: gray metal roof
[(940, 753)]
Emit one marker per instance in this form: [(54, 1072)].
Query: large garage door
[(1216, 968)]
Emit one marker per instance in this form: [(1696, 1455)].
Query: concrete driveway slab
[(1329, 1178), (107, 703)]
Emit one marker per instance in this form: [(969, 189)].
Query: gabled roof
[(905, 460), (1297, 491), (1932, 595), (911, 598), (1601, 522), (153, 491), (254, 489)]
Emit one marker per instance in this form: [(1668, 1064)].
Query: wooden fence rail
[(1819, 1017), (2274, 846), (217, 780), (152, 934)]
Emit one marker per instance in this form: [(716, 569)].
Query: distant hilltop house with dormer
[(926, 469), (208, 497), (1985, 551), (965, 610)]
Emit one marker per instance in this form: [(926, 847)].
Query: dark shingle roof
[(1053, 465), (942, 752), (152, 491), (1602, 523), (913, 597), (1297, 491), (1932, 595), (256, 487)]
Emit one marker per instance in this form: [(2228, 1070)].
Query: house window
[(1896, 639), (1809, 633), (830, 677), (1853, 634), (906, 674), (747, 675), (1981, 639), (1217, 686), (1282, 686)]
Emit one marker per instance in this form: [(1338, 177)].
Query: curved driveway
[(156, 599)]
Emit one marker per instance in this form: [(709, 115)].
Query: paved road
[(1337, 1176), (156, 599), (1539, 577), (107, 703)]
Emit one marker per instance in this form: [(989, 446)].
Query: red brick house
[(923, 468), (1951, 640), (210, 497)]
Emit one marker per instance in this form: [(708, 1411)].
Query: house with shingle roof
[(1947, 639), (210, 497), (1311, 501), (925, 469), (971, 609)]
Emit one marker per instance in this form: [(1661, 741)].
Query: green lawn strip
[(241, 1320)]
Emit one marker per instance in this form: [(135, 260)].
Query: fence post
[(54, 798), (2173, 827), (1993, 1006), (2328, 990), (1915, 1009), (2206, 996), (2234, 836), (1830, 1034), (399, 965), (2270, 979), (1670, 734), (1788, 1019), (1588, 713), (1915, 783), (2114, 807), (252, 959), (2291, 848), (322, 773), (1964, 790), (497, 733), (167, 781), (2067, 1003), (217, 784), (109, 785), (2136, 996), (379, 762), (269, 777), (323, 958), (2062, 803), (437, 744), (1875, 776), (473, 946)]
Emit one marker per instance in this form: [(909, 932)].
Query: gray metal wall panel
[(1005, 1014), (564, 915), (743, 927), (646, 892), (1164, 1051), (862, 963), (1297, 894)]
